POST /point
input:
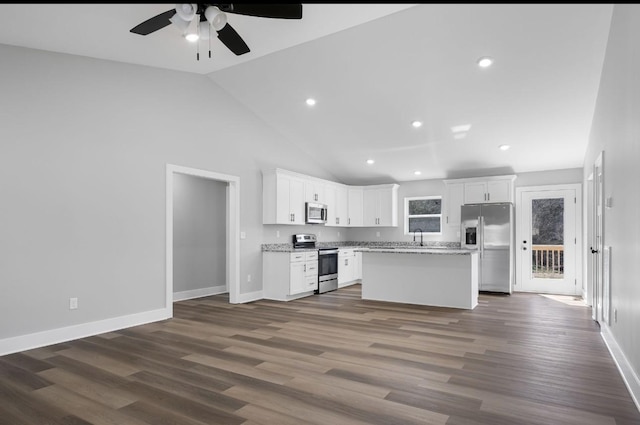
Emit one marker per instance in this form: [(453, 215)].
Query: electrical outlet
[(243, 235), (319, 233), (248, 278), (277, 233), (377, 234), (338, 233), (73, 303)]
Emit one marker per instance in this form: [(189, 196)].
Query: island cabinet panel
[(440, 280)]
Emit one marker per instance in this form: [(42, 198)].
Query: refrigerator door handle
[(480, 240)]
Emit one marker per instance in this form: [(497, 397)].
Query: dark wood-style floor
[(329, 359)]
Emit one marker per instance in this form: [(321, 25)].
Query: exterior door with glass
[(547, 240)]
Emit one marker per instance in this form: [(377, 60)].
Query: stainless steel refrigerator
[(489, 228)]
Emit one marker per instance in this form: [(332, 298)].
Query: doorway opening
[(232, 230), (548, 220)]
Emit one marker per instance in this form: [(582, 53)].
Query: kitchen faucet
[(414, 236)]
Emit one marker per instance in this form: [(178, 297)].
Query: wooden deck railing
[(547, 261)]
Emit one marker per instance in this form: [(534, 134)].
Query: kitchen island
[(434, 277)]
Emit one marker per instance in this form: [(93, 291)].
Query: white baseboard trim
[(250, 296), (629, 376), (198, 293), (69, 333)]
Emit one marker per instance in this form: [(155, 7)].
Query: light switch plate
[(243, 235)]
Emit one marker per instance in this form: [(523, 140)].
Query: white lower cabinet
[(349, 267), (287, 276)]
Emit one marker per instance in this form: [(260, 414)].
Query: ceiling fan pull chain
[(209, 28), (198, 40)]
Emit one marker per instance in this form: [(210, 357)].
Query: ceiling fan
[(214, 16)]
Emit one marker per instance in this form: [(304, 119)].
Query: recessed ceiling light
[(417, 173), (504, 147), (460, 128), (370, 161), (417, 124), (459, 135), (485, 61), (310, 102)]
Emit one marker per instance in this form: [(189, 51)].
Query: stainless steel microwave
[(315, 213)]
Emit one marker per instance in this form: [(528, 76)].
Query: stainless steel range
[(327, 261)]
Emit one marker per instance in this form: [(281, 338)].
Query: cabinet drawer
[(311, 283), (297, 256), (311, 269), (346, 253), (311, 256)]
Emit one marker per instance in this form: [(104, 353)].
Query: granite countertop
[(419, 250), (389, 247)]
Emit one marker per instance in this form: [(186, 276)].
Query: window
[(423, 213)]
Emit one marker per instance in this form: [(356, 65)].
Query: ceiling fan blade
[(284, 11), (154, 24), (230, 38)]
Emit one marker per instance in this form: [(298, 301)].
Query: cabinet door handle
[(305, 268), (488, 196), (349, 220)]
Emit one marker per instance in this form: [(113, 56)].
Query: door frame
[(233, 230), (596, 270), (577, 188)]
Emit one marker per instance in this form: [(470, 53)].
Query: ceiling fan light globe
[(180, 23), (187, 11), (215, 17)]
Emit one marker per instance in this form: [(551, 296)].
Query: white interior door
[(547, 240)]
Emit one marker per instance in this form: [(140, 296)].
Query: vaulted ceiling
[(373, 69)]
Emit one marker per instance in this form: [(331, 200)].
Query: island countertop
[(410, 250)]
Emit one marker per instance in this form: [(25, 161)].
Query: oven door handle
[(327, 252)]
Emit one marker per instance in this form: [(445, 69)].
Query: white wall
[(85, 144), (616, 131), (437, 187), (199, 233)]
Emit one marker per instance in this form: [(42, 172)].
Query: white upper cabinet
[(453, 200), (331, 202), (314, 191), (380, 206), (500, 191), (483, 190), (342, 205), (355, 201), (282, 198), (284, 194), (336, 199)]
